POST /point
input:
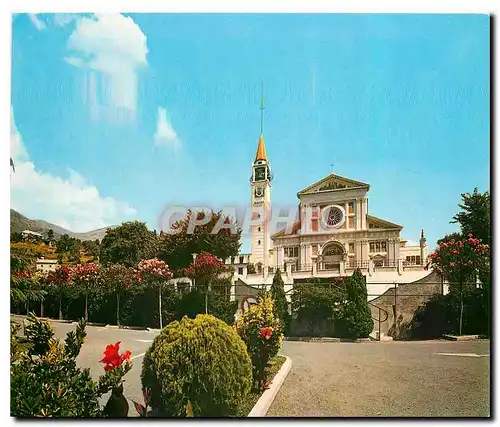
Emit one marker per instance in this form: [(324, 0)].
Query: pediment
[(378, 223), (333, 183)]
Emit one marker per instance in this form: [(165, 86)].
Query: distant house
[(31, 236), (43, 264)]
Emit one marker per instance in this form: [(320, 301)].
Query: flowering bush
[(262, 333), (205, 268), (459, 261), (85, 277), (61, 279), (154, 273), (202, 361), (119, 278), (51, 384)]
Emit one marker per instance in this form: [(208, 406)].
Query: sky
[(116, 117)]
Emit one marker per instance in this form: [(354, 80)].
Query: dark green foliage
[(280, 303), (202, 360), (68, 245), (127, 244), (356, 315), (440, 315), (475, 215), (313, 303), (51, 384)]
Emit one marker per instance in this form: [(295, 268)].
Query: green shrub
[(51, 384), (356, 316), (317, 309), (280, 302), (262, 334), (201, 360)]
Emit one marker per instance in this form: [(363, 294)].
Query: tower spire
[(262, 109)]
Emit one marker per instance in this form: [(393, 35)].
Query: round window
[(332, 216)]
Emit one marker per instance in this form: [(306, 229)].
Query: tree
[(85, 277), (280, 303), (50, 234), (61, 279), (154, 273), (92, 247), (475, 215), (178, 246), (24, 282), (356, 314), (118, 278), (458, 262), (127, 244), (450, 237)]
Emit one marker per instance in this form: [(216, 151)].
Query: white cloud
[(115, 46), (38, 23), (69, 202), (165, 133)]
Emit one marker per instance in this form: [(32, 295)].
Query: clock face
[(260, 174), (259, 192)]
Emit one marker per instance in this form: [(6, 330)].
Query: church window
[(258, 242), (380, 246), (351, 207), (258, 229), (232, 260), (241, 260), (292, 251), (240, 271), (351, 247)]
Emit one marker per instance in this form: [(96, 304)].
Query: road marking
[(139, 355), (463, 354), (145, 340)]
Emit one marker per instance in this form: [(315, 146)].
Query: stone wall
[(402, 304)]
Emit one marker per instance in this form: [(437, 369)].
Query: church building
[(334, 234)]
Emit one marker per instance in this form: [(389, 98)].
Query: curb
[(328, 339), (265, 401), (463, 337)]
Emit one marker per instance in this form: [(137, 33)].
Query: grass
[(251, 399)]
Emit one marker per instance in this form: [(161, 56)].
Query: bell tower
[(260, 187)]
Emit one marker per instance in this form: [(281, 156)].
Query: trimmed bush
[(356, 315), (262, 334), (201, 360), (280, 302)]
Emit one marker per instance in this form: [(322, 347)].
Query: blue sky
[(116, 117)]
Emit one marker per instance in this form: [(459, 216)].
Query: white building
[(334, 234), (46, 265)]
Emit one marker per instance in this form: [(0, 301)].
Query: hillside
[(19, 222)]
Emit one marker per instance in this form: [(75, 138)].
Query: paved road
[(412, 379), (344, 379)]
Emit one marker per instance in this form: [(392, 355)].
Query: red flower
[(112, 358), (266, 333)]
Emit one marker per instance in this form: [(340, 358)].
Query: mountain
[(19, 222)]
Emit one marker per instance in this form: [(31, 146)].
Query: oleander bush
[(202, 361), (46, 381), (262, 333)]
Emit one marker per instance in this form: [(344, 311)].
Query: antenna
[(262, 109)]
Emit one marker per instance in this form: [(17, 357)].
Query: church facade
[(334, 234)]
